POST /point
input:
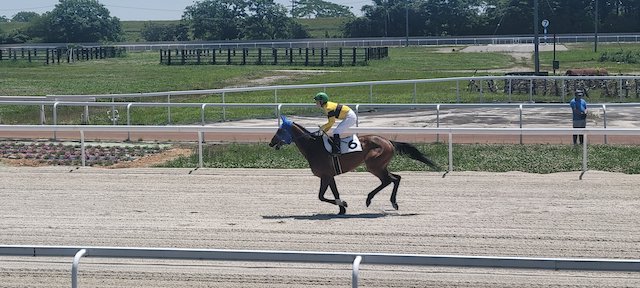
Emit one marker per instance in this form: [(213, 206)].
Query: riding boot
[(335, 145)]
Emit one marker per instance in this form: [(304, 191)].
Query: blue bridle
[(285, 128)]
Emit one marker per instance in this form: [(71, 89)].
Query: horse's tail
[(414, 153)]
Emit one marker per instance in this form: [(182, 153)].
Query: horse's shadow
[(335, 216)]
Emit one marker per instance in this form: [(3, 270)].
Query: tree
[(77, 21), (241, 19), (4, 19), (266, 20), (24, 16), (319, 9), (216, 19)]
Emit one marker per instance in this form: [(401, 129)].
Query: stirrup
[(335, 145)]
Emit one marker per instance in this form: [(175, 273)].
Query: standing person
[(335, 111), (579, 111)]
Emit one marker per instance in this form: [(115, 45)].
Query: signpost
[(545, 24)]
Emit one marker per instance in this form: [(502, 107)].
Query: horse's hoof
[(368, 202), (344, 204), (395, 205), (342, 210)]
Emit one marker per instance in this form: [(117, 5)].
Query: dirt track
[(506, 214)]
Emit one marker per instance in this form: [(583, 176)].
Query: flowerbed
[(71, 155)]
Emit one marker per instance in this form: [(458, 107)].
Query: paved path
[(466, 213)]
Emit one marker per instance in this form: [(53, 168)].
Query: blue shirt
[(578, 108)]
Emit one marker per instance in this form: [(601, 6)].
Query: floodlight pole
[(595, 25), (536, 39), (406, 17)]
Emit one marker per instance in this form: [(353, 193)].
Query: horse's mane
[(301, 128), (306, 132)]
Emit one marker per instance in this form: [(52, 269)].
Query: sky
[(141, 9)]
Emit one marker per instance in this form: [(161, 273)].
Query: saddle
[(347, 144)]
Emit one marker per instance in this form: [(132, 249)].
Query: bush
[(630, 57)]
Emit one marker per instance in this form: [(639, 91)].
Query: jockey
[(334, 110)]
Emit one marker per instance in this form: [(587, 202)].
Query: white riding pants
[(347, 123)]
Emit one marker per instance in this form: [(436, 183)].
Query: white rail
[(200, 130), (356, 259)]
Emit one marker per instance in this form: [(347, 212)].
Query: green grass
[(141, 72), (539, 158), (583, 56)]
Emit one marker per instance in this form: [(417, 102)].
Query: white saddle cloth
[(347, 144)]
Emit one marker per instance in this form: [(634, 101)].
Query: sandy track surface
[(466, 213)]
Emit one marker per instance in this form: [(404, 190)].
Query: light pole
[(406, 17), (536, 39), (595, 25)]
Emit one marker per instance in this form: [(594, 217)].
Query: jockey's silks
[(334, 110)]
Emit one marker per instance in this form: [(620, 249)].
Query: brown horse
[(376, 154)]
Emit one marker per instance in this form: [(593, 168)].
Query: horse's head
[(283, 135)]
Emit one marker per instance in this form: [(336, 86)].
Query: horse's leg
[(325, 182), (386, 178), (336, 195), (396, 183)]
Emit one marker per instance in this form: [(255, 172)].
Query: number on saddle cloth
[(347, 144)]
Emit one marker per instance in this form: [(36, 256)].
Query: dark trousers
[(581, 123)]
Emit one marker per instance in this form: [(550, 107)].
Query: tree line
[(492, 17), (76, 21)]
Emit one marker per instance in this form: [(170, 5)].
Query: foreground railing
[(200, 130), (356, 259)]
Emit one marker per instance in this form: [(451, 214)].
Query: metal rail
[(356, 259), (385, 130)]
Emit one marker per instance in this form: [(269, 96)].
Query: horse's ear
[(285, 120)]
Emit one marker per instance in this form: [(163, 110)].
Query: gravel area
[(466, 213)]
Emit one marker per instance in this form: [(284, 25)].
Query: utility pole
[(595, 25), (406, 16), (536, 39)]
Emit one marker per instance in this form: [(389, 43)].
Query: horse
[(587, 72), (376, 154)]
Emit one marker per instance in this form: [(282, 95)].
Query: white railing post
[(604, 120), (129, 120), (224, 108), (450, 152), (83, 154), (438, 122), (55, 118), (74, 268), (355, 272), (42, 117), (202, 108), (278, 113), (520, 112), (169, 109), (200, 139), (114, 119)]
